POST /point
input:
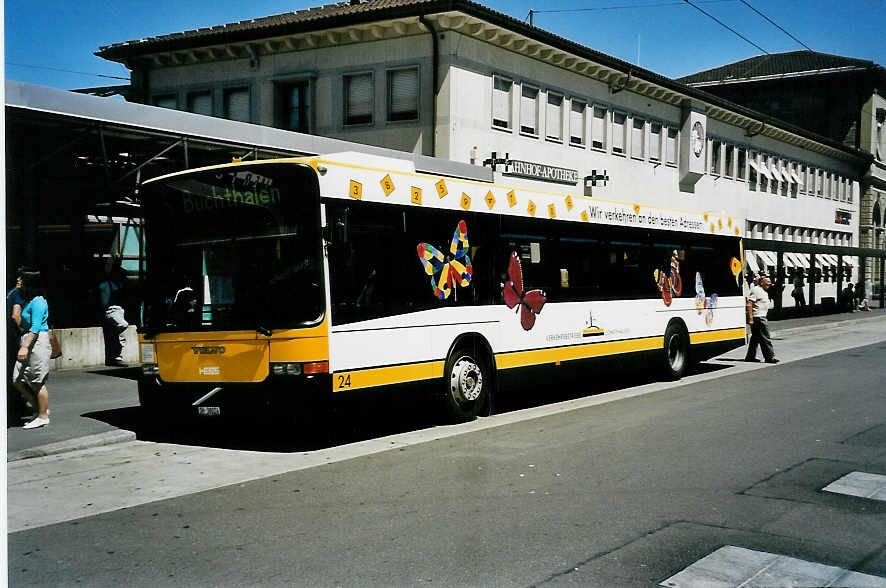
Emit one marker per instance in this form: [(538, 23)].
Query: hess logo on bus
[(208, 350)]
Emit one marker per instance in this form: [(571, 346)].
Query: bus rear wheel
[(676, 351), (468, 385)]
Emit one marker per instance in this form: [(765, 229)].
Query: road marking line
[(740, 567), (860, 484)]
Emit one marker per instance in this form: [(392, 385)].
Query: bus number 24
[(344, 381)]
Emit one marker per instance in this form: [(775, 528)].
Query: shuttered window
[(671, 146), (554, 117), (638, 138), (403, 94), (577, 122), (529, 110), (501, 102), (655, 141), (237, 104), (358, 99), (168, 101), (598, 128), (200, 103), (618, 132)]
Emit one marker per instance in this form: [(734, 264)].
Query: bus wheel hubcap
[(676, 352), (466, 381)]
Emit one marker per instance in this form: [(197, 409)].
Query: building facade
[(455, 80), (834, 96)]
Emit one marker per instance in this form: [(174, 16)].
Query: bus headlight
[(150, 369)]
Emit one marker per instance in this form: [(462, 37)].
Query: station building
[(456, 80)]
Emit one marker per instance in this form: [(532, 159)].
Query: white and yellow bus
[(282, 280)]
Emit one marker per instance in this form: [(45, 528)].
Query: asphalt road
[(623, 493)]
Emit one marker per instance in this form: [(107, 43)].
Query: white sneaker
[(37, 422)]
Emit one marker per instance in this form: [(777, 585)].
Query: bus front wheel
[(468, 384), (676, 350)]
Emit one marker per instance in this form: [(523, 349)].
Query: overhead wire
[(8, 63), (726, 26), (773, 23)]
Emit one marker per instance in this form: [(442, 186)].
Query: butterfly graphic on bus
[(530, 303), (446, 274), (669, 285), (702, 304)]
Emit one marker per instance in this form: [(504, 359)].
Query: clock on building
[(697, 138)]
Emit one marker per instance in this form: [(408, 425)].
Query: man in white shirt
[(758, 307)]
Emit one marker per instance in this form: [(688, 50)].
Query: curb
[(793, 330), (87, 442)]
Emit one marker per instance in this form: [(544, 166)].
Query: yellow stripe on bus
[(397, 374), (368, 378), (715, 336), (542, 356)]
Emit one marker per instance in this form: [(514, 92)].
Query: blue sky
[(665, 36)]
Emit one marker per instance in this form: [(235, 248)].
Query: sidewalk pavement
[(98, 406)]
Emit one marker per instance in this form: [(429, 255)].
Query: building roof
[(364, 12), (317, 18), (777, 65)]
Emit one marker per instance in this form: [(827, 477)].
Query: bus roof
[(372, 178)]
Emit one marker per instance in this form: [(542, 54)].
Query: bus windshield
[(234, 249)]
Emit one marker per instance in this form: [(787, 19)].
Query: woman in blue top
[(32, 362)]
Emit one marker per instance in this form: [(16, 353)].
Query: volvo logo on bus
[(208, 350)]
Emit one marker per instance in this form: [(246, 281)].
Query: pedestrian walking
[(798, 292), (758, 307), (15, 407), (31, 369), (114, 321)]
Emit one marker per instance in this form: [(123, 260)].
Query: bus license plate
[(209, 410)]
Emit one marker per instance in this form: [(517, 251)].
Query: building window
[(776, 176), (294, 106), (165, 101), (655, 141), (753, 173), (358, 99), (742, 164), (715, 157), (501, 102), (237, 104), (638, 138), (671, 146), (785, 177), (200, 103), (764, 173), (577, 113), (618, 132), (554, 117), (598, 128), (728, 160), (529, 110), (403, 94)]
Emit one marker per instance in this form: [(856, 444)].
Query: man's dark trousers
[(760, 335)]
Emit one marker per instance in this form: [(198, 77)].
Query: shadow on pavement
[(126, 373), (355, 417)]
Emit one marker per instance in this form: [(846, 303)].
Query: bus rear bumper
[(225, 399)]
